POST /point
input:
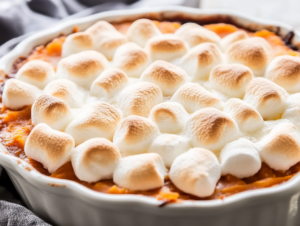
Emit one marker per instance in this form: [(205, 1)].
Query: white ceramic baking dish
[(64, 202)]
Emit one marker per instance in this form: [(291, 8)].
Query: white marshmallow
[(140, 31), (193, 97), (132, 59), (95, 160), (166, 47), (134, 135), (246, 117), (17, 94), (49, 147), (82, 68), (169, 146), (140, 172), (196, 172), (211, 128), (240, 158), (139, 99), (67, 91), (280, 149), (76, 43), (166, 76), (52, 111), (170, 117), (194, 34), (109, 83), (99, 119), (268, 98), (231, 38), (292, 111), (199, 61), (36, 72)]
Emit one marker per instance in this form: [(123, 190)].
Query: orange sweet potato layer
[(15, 126)]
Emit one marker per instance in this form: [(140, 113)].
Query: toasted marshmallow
[(67, 91), (169, 146), (170, 117), (99, 119), (139, 99), (285, 71), (134, 135), (199, 61), (95, 160), (166, 76), (132, 59), (50, 147), (246, 117), (193, 97), (196, 172), (254, 53), (140, 172), (292, 111), (140, 31), (109, 83), (17, 94), (82, 68), (280, 149), (76, 43), (240, 158), (193, 34), (52, 111), (166, 47), (211, 128), (233, 37), (106, 38), (268, 98), (230, 79), (36, 72)]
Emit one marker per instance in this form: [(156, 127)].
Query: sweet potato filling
[(15, 126)]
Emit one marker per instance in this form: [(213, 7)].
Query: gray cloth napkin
[(18, 20)]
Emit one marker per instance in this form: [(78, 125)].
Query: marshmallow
[(254, 53), (76, 43), (285, 71), (193, 97), (106, 38), (196, 172), (246, 117), (166, 76), (52, 111), (109, 83), (140, 172), (36, 72), (132, 59), (49, 147), (240, 158), (231, 38), (211, 128), (170, 117), (268, 98), (140, 31), (82, 68), (194, 34), (166, 47), (292, 111), (67, 91), (95, 160), (139, 99), (280, 149), (169, 146), (134, 135), (99, 119), (230, 79), (17, 94), (199, 61)]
